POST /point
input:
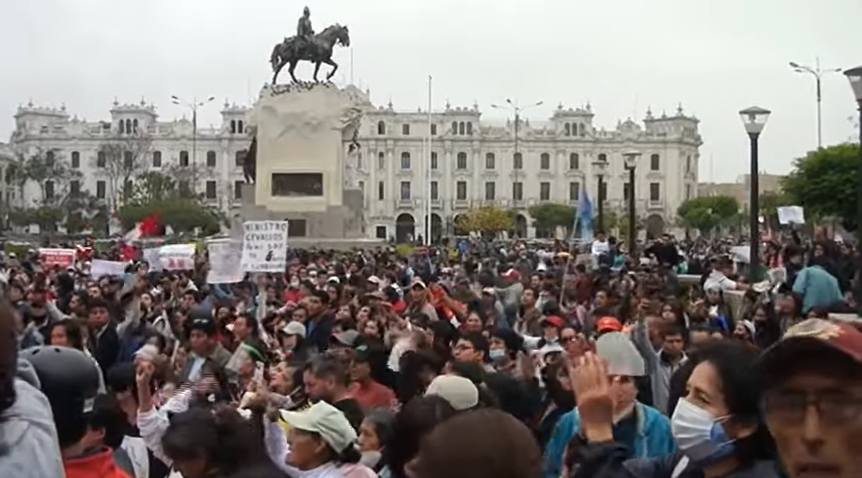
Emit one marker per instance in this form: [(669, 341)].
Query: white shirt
[(717, 280), (600, 248)]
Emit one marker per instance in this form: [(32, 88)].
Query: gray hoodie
[(28, 437)]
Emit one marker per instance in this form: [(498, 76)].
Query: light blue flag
[(585, 216)]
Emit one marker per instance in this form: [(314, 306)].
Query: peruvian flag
[(150, 226)]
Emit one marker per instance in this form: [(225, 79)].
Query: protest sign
[(57, 258), (225, 260), (791, 215), (264, 246), (100, 268), (177, 257)]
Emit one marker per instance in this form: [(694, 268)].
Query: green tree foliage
[(825, 183), (706, 213), (53, 175), (551, 215), (488, 221), (158, 194)]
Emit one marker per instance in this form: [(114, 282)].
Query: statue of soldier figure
[(308, 46)]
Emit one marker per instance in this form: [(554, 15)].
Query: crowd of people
[(497, 360)]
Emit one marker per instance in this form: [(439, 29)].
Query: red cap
[(808, 336), (554, 321), (511, 274), (609, 324)]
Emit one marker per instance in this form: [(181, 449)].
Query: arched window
[(454, 127), (405, 160), (574, 161), (461, 129), (583, 129), (157, 159), (135, 126), (518, 161), (76, 160), (381, 128), (232, 126), (490, 161), (239, 158), (240, 128), (49, 158), (654, 162), (381, 160), (603, 157), (469, 128), (128, 126), (568, 129)]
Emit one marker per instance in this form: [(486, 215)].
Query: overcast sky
[(623, 56)]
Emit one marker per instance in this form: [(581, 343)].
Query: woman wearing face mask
[(503, 352), (717, 425)]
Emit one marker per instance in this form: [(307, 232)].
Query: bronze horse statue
[(317, 51)]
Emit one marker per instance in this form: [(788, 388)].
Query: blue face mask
[(700, 435), (497, 355)]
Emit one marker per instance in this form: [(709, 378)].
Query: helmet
[(68, 377)]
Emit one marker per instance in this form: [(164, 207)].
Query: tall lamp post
[(818, 75), (754, 119), (517, 109), (631, 162), (600, 167), (193, 105), (855, 77)]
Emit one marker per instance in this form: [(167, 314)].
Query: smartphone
[(258, 373)]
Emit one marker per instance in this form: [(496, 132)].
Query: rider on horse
[(304, 32)]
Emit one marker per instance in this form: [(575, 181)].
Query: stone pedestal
[(303, 136)]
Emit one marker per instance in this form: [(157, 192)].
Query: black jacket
[(320, 332), (106, 347)]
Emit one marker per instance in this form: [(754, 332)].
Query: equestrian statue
[(308, 46)]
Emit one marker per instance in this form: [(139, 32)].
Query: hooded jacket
[(28, 437)]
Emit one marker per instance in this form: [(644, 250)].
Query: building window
[(461, 191), (490, 161), (128, 186), (654, 192), (101, 159), (603, 157), (381, 190), (583, 129), (122, 127), (211, 190), (233, 126), (434, 164), (239, 158), (50, 158), (100, 189), (49, 189), (211, 159), (157, 159), (75, 187), (433, 129), (454, 127), (518, 161), (490, 191), (574, 161), (184, 159), (381, 128), (128, 161), (568, 129), (435, 193), (76, 160), (135, 126), (469, 128), (239, 127), (405, 191), (688, 164), (627, 191), (461, 161), (461, 129), (654, 162), (405, 160), (237, 190), (544, 191), (405, 129), (128, 126), (545, 162), (380, 232), (518, 191), (574, 191), (381, 160)]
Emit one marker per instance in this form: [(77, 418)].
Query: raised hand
[(591, 386)]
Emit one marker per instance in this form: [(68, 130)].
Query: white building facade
[(475, 164)]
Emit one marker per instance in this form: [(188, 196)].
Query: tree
[(708, 212), (487, 220), (825, 183), (551, 215), (152, 187), (159, 194), (119, 159), (53, 175)]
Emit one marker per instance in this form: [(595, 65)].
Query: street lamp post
[(631, 162), (517, 109), (754, 119), (855, 77), (818, 75), (193, 105), (600, 167)]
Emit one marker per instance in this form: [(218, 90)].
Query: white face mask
[(698, 434)]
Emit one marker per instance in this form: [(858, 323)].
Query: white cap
[(460, 392), (294, 328), (620, 353), (325, 420)]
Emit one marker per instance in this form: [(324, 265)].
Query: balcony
[(404, 203), (518, 174), (461, 204), (436, 204), (519, 203), (655, 204)]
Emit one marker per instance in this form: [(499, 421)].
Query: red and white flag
[(150, 226)]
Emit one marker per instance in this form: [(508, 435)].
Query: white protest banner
[(225, 259), (741, 254), (264, 246), (791, 215), (177, 257), (56, 258), (151, 256), (100, 268)]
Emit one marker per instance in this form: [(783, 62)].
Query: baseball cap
[(417, 282), (460, 392), (294, 328), (809, 336), (347, 338), (374, 280), (553, 320), (609, 324), (326, 421), (621, 355)]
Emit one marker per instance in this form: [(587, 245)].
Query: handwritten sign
[(100, 268), (264, 246), (225, 260), (57, 258)]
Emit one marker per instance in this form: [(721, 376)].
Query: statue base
[(303, 134)]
